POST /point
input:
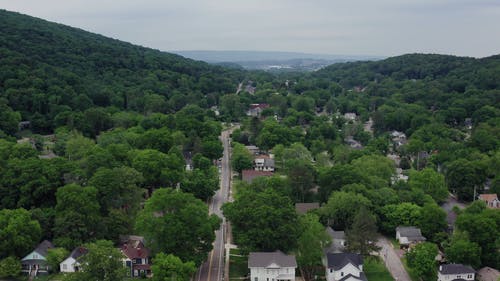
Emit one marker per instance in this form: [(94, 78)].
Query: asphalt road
[(213, 268)]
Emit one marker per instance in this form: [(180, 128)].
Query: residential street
[(391, 260), (213, 268)]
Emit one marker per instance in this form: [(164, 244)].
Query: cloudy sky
[(347, 27)]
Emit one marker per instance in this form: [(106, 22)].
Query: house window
[(35, 256), (469, 276), (331, 270), (256, 278), (64, 266), (342, 273)]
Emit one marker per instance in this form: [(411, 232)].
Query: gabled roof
[(413, 233), (362, 277), (265, 259), (303, 208), (335, 234), (455, 269), (78, 252), (135, 250), (339, 260), (249, 175), (488, 197), (43, 247)]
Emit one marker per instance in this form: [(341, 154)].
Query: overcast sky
[(347, 27)]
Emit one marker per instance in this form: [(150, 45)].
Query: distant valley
[(271, 60)]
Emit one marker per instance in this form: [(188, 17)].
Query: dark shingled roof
[(303, 208), (265, 259), (78, 252), (362, 277), (455, 269), (335, 234), (339, 260), (411, 232), (43, 247)]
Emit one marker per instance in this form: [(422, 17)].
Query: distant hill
[(47, 69), (268, 60)]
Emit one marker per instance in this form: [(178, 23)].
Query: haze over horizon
[(360, 27)]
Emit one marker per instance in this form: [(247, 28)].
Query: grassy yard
[(375, 270), (238, 266)]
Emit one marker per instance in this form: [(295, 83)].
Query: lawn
[(238, 265), (375, 270)]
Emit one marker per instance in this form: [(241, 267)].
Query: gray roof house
[(455, 272), (271, 266), (338, 241), (35, 262), (344, 267), (407, 235)]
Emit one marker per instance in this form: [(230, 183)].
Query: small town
[(127, 161)]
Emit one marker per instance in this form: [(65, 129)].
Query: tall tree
[(422, 260), (431, 182), (462, 250), (362, 235), (432, 221), (312, 240), (263, 221), (18, 232), (169, 267), (341, 209), (176, 222)]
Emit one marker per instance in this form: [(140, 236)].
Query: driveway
[(392, 260)]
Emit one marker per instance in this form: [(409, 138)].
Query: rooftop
[(339, 260), (455, 269), (267, 259), (249, 175), (303, 208)]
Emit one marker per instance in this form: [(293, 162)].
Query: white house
[(271, 266), (136, 258), (407, 235), (71, 263), (35, 262), (263, 163), (455, 272), (338, 241), (344, 267)]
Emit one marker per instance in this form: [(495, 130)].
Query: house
[(35, 262), (488, 274), (350, 116), (263, 163), (303, 208), (455, 272), (491, 200), (353, 143), (136, 258), (407, 235), (338, 241), (71, 263), (398, 138), (254, 150), (267, 266), (256, 109), (344, 267), (249, 175)]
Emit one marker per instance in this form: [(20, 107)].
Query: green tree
[(241, 158), (9, 119), (462, 177), (362, 235), (10, 267), (103, 262), (421, 259), (169, 267), (310, 244), (201, 183), (176, 222), (432, 222), (151, 163), (462, 250), (77, 215), (55, 256), (262, 221), (341, 209), (18, 232), (431, 182), (212, 149), (301, 174), (394, 215)]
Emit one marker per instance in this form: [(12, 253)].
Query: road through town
[(213, 268)]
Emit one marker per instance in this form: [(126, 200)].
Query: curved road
[(213, 268)]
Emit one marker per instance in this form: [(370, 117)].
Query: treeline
[(50, 72)]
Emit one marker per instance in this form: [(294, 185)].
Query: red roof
[(249, 175), (259, 105), (135, 251), (488, 197)]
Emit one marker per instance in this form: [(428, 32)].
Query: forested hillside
[(52, 74)]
